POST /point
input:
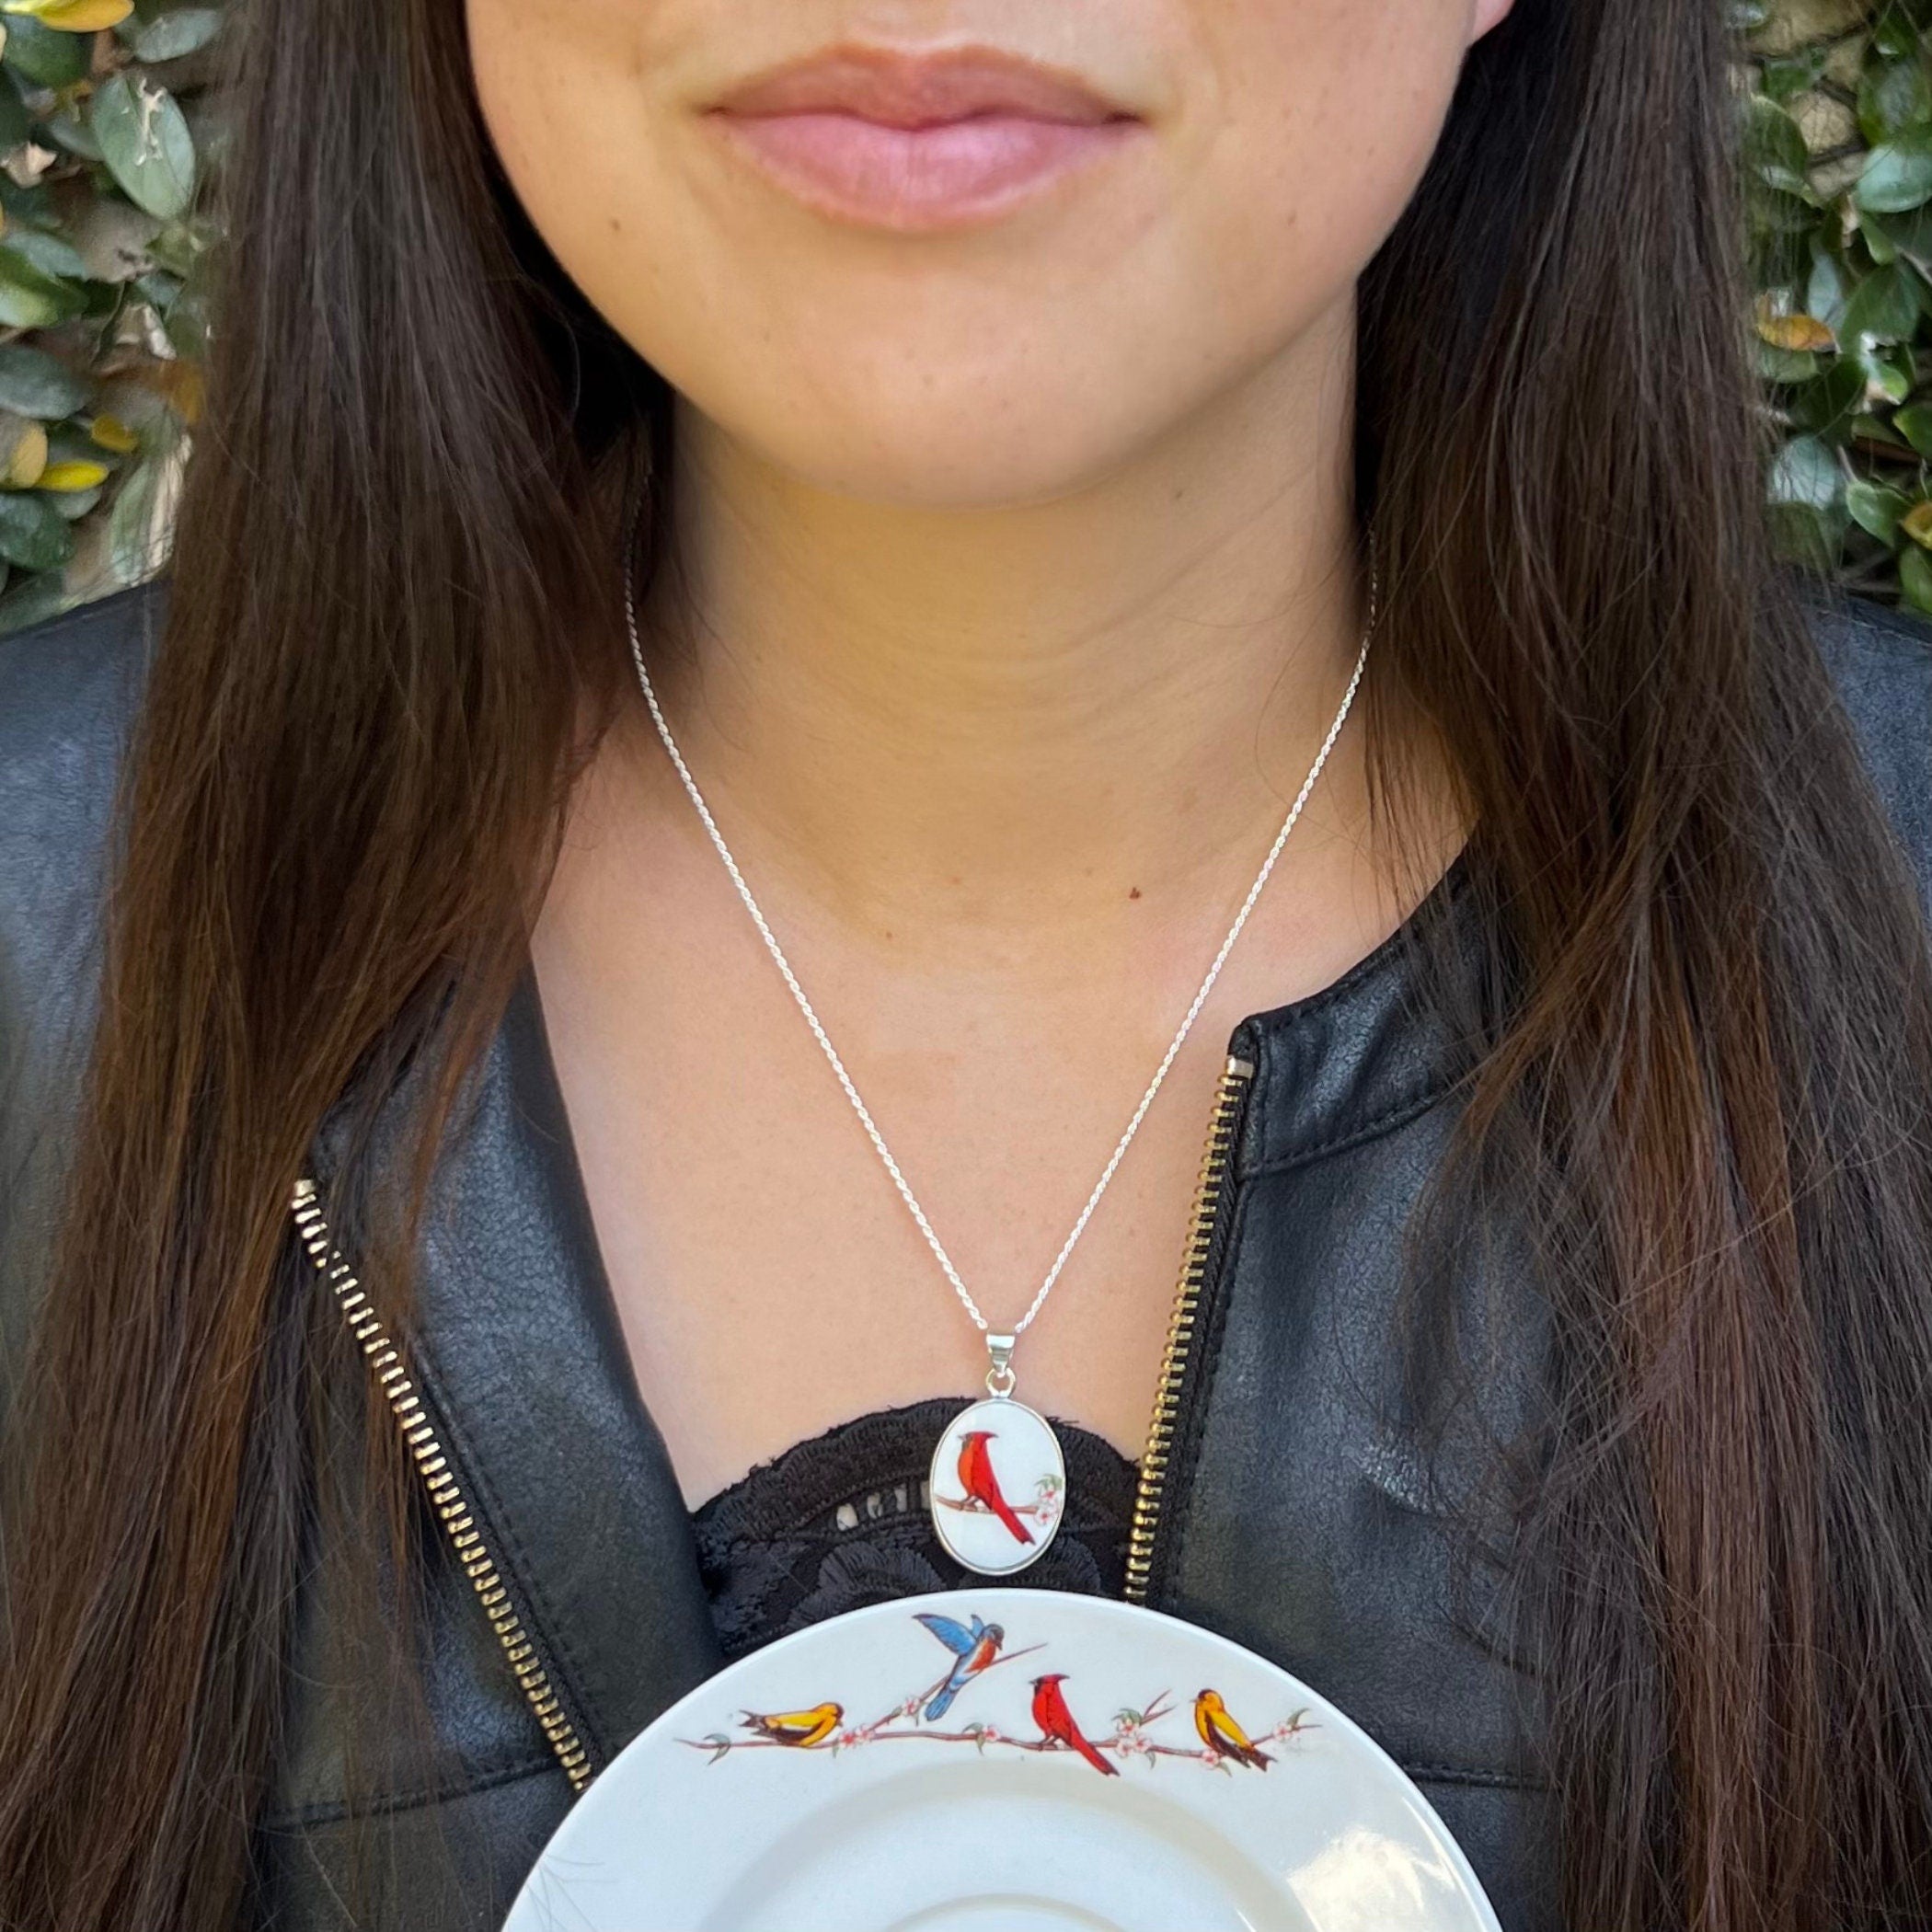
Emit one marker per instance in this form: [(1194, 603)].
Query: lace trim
[(840, 1520)]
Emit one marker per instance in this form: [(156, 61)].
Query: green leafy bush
[(105, 146), (1839, 130), (109, 136)]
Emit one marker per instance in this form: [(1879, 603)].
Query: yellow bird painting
[(1222, 1735), (801, 1729)]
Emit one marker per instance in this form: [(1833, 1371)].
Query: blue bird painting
[(973, 1647)]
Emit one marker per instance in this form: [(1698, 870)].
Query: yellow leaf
[(74, 472), (111, 434), (1795, 332), (71, 15), (1917, 523), (26, 457)]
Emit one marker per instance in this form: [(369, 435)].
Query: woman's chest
[(773, 1280), (814, 1199)]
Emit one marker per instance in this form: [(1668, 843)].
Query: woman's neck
[(1023, 716)]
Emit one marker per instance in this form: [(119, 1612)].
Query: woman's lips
[(918, 142), (944, 175)]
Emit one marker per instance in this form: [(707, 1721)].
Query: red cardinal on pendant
[(1050, 1712), (980, 1483)]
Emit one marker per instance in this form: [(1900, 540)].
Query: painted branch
[(973, 1506), (1120, 1745)]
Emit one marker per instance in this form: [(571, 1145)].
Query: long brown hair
[(391, 588)]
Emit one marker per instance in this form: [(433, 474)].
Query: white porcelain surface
[(896, 1823)]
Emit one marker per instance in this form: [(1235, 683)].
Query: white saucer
[(893, 1823)]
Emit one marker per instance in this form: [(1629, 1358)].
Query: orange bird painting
[(1222, 1735), (1050, 1712), (977, 1477), (801, 1729)]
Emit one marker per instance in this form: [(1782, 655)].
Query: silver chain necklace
[(1010, 1502)]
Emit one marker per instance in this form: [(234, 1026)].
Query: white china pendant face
[(999, 1486)]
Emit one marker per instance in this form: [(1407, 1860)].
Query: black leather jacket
[(1282, 1513)]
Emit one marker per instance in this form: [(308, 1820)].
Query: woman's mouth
[(918, 142)]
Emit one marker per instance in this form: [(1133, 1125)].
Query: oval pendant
[(997, 1486)]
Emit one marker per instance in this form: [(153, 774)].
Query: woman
[(1031, 416)]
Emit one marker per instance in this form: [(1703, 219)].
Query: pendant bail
[(999, 1377)]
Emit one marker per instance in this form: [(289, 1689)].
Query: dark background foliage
[(110, 145)]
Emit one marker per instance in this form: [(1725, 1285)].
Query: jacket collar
[(515, 1345), (1390, 1038)]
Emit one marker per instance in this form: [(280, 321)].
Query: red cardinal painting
[(1050, 1712), (976, 1475)]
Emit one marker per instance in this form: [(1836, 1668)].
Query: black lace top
[(841, 1521)]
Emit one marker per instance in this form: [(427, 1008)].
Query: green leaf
[(16, 122), (73, 444), (160, 287), (1774, 144), (1892, 97), (1805, 503), (33, 534), (67, 128), (43, 54), (1791, 75), (100, 301), (30, 297), (1888, 378), (1824, 290), (1915, 424), (1909, 234), (1915, 577), (73, 504), (1867, 426), (35, 205), (168, 36), (1784, 365), (1806, 472), (1830, 401), (1877, 507), (144, 142), (180, 245), (33, 382), (51, 254), (1897, 174), (1883, 307)]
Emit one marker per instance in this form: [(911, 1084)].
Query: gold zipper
[(445, 1493), (1214, 1161)]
